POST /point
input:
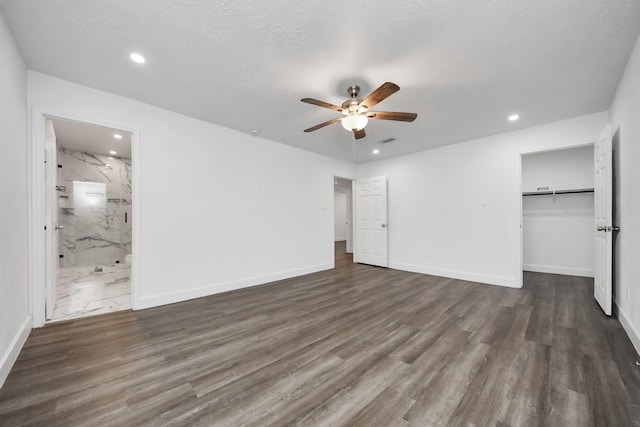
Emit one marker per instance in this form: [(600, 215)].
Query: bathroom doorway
[(88, 206)]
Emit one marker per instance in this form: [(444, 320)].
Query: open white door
[(371, 221), (51, 218), (603, 189)]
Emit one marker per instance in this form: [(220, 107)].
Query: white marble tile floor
[(82, 292)]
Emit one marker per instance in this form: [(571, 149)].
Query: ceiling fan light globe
[(354, 122)]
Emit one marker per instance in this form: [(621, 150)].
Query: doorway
[(343, 219), (89, 219), (558, 211)]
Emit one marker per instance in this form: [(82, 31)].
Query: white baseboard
[(553, 269), (11, 354), (634, 336), (187, 294), (509, 282)]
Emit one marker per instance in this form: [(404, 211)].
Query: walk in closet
[(558, 211)]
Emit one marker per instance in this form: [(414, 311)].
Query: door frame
[(589, 142), (332, 210), (36, 205), (51, 218)]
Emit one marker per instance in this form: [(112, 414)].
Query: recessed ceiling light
[(117, 136), (136, 57), (110, 158), (112, 152), (376, 151), (513, 117)]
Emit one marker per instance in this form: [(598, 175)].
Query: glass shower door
[(87, 224)]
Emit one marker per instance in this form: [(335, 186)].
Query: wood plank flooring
[(355, 346)]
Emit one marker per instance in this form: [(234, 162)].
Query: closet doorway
[(558, 217)]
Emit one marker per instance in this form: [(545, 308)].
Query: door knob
[(601, 228), (384, 225), (59, 227), (610, 228)]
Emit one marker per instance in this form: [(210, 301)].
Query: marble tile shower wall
[(99, 232)]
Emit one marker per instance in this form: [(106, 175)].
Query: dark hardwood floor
[(355, 346)]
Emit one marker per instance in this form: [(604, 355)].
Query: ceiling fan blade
[(383, 92), (359, 134), (322, 104), (323, 124), (392, 115)]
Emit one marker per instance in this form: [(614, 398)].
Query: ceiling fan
[(357, 112)]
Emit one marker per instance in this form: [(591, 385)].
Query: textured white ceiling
[(462, 65), (91, 138)]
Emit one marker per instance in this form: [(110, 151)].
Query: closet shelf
[(554, 192)]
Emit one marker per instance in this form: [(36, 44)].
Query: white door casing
[(603, 189), (51, 218), (350, 218), (371, 221)]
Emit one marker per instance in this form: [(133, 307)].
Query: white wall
[(340, 217), (558, 234), (557, 231), (455, 211), (625, 120), (14, 316), (558, 169), (218, 209)]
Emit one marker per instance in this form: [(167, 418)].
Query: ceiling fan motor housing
[(354, 105)]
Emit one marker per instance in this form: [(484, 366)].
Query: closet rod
[(547, 193)]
